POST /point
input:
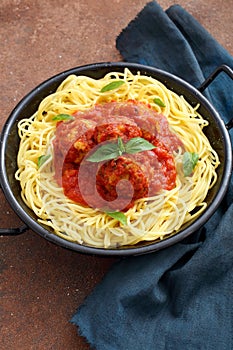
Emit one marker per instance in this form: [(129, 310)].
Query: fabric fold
[(153, 39), (174, 41)]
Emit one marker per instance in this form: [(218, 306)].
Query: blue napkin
[(179, 298)]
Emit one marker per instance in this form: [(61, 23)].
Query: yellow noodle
[(153, 218)]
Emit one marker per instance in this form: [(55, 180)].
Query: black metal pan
[(216, 132)]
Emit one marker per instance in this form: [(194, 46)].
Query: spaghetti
[(150, 218)]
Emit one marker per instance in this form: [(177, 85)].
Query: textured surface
[(42, 284)]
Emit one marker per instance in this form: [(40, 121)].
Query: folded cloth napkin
[(179, 298)]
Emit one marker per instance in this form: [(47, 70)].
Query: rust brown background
[(42, 284)]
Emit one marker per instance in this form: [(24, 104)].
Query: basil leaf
[(42, 160), (105, 152), (159, 102), (190, 160), (113, 85), (138, 144), (121, 146), (60, 117), (113, 150), (118, 215)]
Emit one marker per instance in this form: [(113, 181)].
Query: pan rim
[(121, 251)]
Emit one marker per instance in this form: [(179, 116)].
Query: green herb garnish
[(117, 215), (105, 152), (159, 102), (113, 85), (60, 117), (113, 150), (121, 147), (190, 160), (138, 144), (42, 160)]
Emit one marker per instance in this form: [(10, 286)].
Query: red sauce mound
[(109, 181), (114, 184)]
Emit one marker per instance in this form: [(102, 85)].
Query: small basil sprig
[(159, 102), (60, 117), (112, 86), (190, 160), (118, 215), (113, 150), (42, 159), (138, 144), (105, 152)]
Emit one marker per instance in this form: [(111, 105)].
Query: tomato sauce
[(114, 184)]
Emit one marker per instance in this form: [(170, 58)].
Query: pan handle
[(223, 68), (13, 231), (229, 125), (212, 76)]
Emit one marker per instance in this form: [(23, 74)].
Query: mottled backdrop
[(42, 284)]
